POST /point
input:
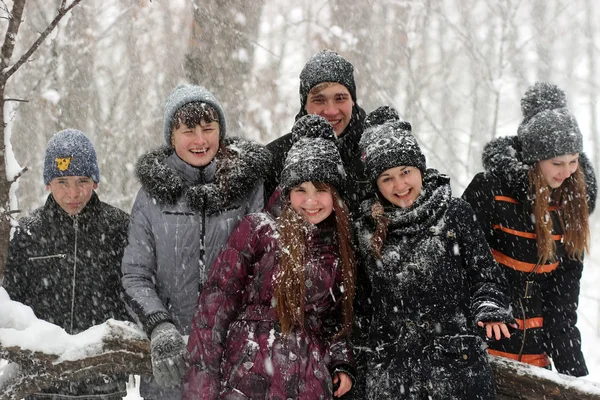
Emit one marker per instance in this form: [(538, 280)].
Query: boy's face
[(334, 103), (72, 193), (197, 145)]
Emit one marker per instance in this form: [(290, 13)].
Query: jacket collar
[(226, 181), (426, 211), (54, 211)]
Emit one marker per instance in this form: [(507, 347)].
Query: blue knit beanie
[(184, 94), (70, 153)]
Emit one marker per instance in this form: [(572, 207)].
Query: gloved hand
[(167, 350)]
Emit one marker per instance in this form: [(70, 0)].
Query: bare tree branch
[(11, 34), (62, 11)]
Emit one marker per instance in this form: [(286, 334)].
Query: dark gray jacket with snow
[(67, 270), (181, 218), (435, 279)]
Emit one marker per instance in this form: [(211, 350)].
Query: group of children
[(330, 263)]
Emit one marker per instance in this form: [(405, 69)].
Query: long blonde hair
[(572, 209), (290, 289)]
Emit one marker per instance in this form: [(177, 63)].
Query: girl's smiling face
[(401, 185), (314, 205)]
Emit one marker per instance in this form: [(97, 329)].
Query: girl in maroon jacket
[(273, 318)]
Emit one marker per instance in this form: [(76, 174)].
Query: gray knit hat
[(70, 153), (326, 66), (314, 156), (387, 142), (184, 94), (548, 129)]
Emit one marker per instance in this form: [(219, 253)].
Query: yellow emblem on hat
[(63, 163)]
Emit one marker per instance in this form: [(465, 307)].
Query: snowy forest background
[(456, 69)]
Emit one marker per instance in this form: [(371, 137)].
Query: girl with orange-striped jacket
[(533, 203)]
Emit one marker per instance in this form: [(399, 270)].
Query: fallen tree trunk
[(121, 347), (33, 371), (515, 380)]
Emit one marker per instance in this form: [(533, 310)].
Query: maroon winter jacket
[(236, 345)]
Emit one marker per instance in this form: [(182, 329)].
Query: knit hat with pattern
[(70, 153), (387, 142), (548, 129), (314, 156)]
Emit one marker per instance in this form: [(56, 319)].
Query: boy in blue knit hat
[(64, 259)]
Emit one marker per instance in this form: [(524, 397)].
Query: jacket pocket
[(238, 368), (459, 368)]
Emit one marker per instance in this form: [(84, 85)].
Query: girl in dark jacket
[(273, 317), (533, 203), (432, 275)]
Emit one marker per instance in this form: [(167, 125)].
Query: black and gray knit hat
[(548, 129), (326, 66), (314, 156), (70, 153), (387, 142), (184, 94)]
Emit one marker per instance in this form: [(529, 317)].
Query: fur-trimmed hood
[(502, 158), (234, 178)]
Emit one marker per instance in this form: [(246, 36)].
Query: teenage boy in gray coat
[(194, 191)]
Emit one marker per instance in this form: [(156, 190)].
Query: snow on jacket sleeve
[(560, 316), (490, 296), (256, 199), (15, 280), (139, 266), (479, 195), (218, 304)]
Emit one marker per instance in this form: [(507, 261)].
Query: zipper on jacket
[(76, 227), (202, 247), (46, 257)]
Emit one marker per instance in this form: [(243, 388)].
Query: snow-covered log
[(515, 380), (112, 347), (40, 353)]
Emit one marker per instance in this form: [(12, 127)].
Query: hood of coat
[(502, 158), (235, 176), (426, 211)]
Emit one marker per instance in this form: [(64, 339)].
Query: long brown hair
[(381, 228), (290, 289), (573, 214)]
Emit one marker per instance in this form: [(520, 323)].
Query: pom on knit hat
[(388, 145), (184, 94), (70, 153), (326, 66), (314, 156), (384, 114), (548, 129)]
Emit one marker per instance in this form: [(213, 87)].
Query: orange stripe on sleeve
[(522, 266), (506, 199), (530, 323), (539, 360), (527, 235)]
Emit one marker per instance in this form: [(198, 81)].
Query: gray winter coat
[(180, 219)]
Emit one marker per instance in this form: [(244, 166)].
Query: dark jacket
[(180, 220), (548, 312), (436, 278), (236, 347), (67, 270), (358, 187)]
